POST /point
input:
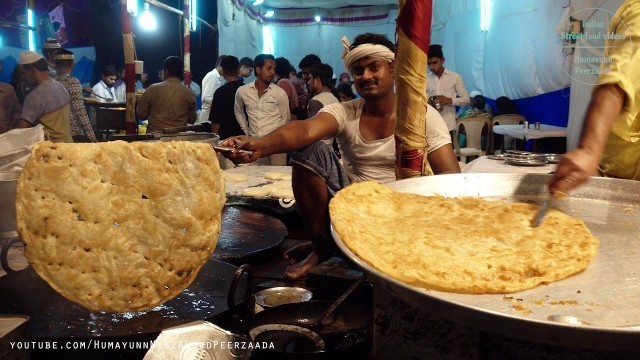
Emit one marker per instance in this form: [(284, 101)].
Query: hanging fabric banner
[(56, 16)]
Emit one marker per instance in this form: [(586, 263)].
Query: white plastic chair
[(473, 128)]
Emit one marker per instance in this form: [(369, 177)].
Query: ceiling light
[(318, 18), (147, 20), (257, 2), (132, 7), (269, 13), (31, 23), (193, 16)]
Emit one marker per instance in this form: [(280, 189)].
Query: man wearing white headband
[(364, 129)]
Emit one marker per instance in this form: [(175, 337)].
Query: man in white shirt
[(211, 82), (261, 106), (446, 85), (105, 89), (364, 129)]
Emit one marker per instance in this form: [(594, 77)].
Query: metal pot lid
[(605, 295)]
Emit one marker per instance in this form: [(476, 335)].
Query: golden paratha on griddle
[(117, 226), (463, 245)]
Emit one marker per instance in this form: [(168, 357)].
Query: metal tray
[(606, 294), (255, 177), (525, 162)]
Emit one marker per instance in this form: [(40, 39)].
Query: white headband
[(360, 51)]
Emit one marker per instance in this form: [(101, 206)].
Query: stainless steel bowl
[(277, 296)]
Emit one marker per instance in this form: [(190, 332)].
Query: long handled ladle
[(103, 98), (311, 330), (335, 305)]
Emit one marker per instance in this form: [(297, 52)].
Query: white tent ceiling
[(326, 4)]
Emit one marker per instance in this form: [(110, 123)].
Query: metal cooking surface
[(606, 295), (52, 315), (247, 233)]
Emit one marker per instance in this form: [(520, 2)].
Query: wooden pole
[(187, 42), (129, 68), (414, 31)]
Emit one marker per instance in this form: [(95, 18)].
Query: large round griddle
[(53, 316), (606, 294), (246, 234)]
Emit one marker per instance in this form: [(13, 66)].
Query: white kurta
[(451, 86), (211, 82)]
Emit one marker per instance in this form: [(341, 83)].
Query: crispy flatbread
[(117, 226), (462, 245)]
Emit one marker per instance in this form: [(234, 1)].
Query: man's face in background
[(436, 65), (109, 80), (245, 71), (305, 74), (267, 71)]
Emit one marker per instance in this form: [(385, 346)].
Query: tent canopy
[(324, 4)]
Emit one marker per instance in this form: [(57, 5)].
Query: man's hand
[(574, 169), (441, 99), (241, 143)]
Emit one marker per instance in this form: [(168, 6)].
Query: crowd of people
[(363, 129), (332, 131)]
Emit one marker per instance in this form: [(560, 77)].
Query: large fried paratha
[(463, 245), (117, 226)]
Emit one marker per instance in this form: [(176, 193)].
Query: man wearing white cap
[(48, 103), (49, 49), (364, 130), (478, 107)]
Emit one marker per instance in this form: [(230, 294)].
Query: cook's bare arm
[(292, 136), (443, 160), (578, 165)]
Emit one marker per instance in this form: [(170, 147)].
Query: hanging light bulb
[(147, 20), (318, 18), (269, 13)]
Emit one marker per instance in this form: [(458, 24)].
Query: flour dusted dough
[(256, 191), (281, 193), (235, 177), (277, 176), (463, 245), (120, 226)]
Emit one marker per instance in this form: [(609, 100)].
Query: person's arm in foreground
[(288, 137), (578, 165)]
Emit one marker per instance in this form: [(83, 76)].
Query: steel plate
[(281, 295), (605, 295), (525, 162)]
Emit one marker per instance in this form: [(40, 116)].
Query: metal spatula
[(542, 211)]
